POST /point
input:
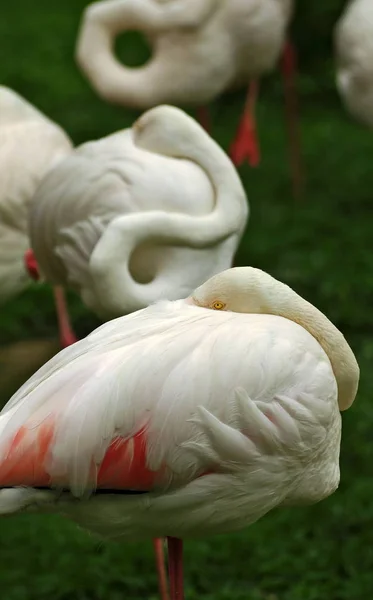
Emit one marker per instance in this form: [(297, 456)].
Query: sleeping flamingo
[(211, 411), (31, 145), (201, 48), (353, 37), (145, 214)]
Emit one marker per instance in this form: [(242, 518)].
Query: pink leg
[(175, 565), (289, 71), (66, 332), (246, 145), (161, 570), (203, 117)]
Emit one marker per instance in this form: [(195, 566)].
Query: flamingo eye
[(218, 305)]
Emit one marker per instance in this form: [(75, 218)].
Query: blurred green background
[(321, 246)]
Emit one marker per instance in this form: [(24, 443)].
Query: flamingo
[(31, 145), (353, 38), (201, 48), (145, 214), (211, 410)]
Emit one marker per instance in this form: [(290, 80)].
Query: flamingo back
[(157, 393)]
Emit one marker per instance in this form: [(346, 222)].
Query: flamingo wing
[(163, 396)]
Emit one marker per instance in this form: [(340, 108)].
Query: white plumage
[(354, 54), (145, 214), (30, 146), (219, 407)]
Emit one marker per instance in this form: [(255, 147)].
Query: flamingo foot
[(175, 565), (67, 334), (246, 145), (161, 570), (203, 117)]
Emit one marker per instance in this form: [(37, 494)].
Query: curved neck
[(109, 263), (114, 286), (94, 54), (342, 359), (231, 210), (110, 260), (138, 87)]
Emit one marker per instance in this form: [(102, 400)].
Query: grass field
[(320, 246)]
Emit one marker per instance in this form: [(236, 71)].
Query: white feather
[(239, 413)]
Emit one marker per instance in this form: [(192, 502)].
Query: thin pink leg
[(175, 565), (203, 117), (67, 334), (289, 72), (246, 145), (161, 569)]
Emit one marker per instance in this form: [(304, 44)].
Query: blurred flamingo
[(353, 37), (31, 146), (145, 214), (201, 48)]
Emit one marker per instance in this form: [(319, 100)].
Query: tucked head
[(249, 290), (241, 290)]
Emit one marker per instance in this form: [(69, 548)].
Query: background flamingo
[(200, 49), (142, 215), (214, 409), (353, 38), (31, 145)]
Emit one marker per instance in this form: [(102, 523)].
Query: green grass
[(321, 247)]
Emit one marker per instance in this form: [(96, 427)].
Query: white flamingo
[(201, 48), (30, 146), (353, 38), (213, 410), (145, 214)]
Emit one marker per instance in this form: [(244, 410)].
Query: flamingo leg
[(246, 144), (203, 117), (67, 334), (161, 570), (289, 72), (175, 565)]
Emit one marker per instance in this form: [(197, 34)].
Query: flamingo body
[(145, 214), (193, 423), (187, 418), (215, 415)]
